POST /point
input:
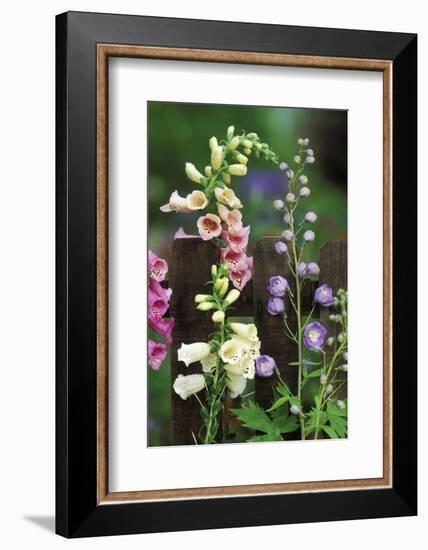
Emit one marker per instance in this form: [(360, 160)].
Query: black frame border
[(77, 512)]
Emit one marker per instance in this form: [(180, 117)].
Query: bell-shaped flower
[(158, 306), (158, 267), (237, 240), (188, 385), (196, 200), (156, 288), (236, 384), (227, 196), (240, 277), (209, 362), (163, 327), (245, 330), (193, 173), (156, 353), (233, 218), (231, 352), (234, 260), (252, 347), (209, 226), (176, 204), (246, 367), (190, 353)]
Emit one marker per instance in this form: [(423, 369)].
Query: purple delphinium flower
[(309, 235), (314, 336), (302, 268), (275, 306), (280, 247), (277, 286), (313, 269), (324, 296), (265, 366)]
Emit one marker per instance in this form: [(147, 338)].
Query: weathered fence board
[(190, 265)]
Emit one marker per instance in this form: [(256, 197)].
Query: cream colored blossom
[(185, 386), (196, 200), (237, 170), (246, 367), (217, 157), (190, 353), (176, 204), (248, 331), (227, 196), (231, 352), (236, 384), (192, 173), (252, 347), (209, 362)]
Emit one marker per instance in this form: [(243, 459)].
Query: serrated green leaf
[(254, 417), (265, 437), (278, 403), (329, 431), (286, 424)]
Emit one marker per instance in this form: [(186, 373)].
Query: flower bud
[(224, 287), (199, 298), (217, 157), (300, 142), (310, 217), (247, 143), (304, 192), (328, 389), (233, 143), (297, 159), (286, 219), (213, 271), (302, 269), (330, 341), (248, 151), (340, 404), (230, 132), (226, 178), (308, 236), (340, 338), (242, 159), (218, 316), (192, 173), (237, 170), (206, 306), (309, 160), (208, 171), (306, 142), (290, 197), (343, 368), (287, 234), (313, 269), (290, 174), (232, 297), (280, 247), (295, 409), (303, 179), (283, 166), (309, 152), (258, 146), (252, 135), (323, 379), (213, 143), (278, 204), (345, 355), (219, 283)]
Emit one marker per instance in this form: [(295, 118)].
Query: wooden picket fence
[(190, 264)]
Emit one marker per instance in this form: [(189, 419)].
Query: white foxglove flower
[(217, 157), (185, 386), (252, 347), (192, 173), (248, 331), (227, 196), (237, 169), (236, 384), (196, 200), (246, 367), (231, 352), (209, 362), (175, 204), (190, 353)]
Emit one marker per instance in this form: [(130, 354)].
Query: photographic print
[(247, 274)]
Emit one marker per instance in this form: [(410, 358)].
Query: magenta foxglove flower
[(302, 268), (277, 286), (237, 240), (240, 278), (156, 354), (234, 260), (158, 267), (309, 235), (265, 366), (313, 269), (324, 296), (163, 327), (157, 306), (314, 336), (157, 289), (275, 306), (280, 247), (209, 226)]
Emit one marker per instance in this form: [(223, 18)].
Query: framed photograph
[(236, 242)]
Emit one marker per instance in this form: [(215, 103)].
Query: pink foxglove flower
[(237, 240), (181, 234), (163, 327), (157, 306), (158, 267), (240, 278), (156, 288), (156, 354), (234, 260), (233, 218), (209, 226)]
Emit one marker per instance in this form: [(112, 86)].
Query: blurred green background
[(179, 133)]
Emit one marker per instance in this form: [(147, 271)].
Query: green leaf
[(329, 431), (315, 373), (297, 363), (283, 390), (279, 402), (254, 417), (286, 424)]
